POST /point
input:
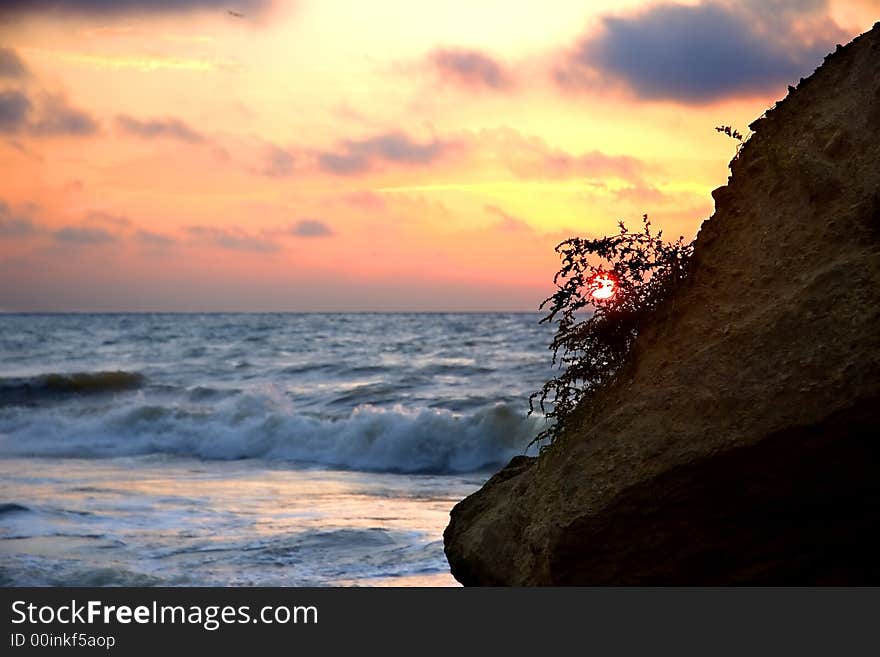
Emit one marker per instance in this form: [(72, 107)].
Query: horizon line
[(271, 312)]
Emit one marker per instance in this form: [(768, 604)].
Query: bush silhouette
[(623, 278)]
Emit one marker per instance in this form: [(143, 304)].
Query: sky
[(333, 155)]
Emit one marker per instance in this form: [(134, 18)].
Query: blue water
[(270, 449)]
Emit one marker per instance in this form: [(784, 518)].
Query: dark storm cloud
[(705, 52), (234, 239), (122, 7), (310, 228), (14, 108), (157, 128), (394, 147), (470, 68), (11, 65), (83, 235)]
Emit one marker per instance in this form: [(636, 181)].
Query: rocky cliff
[(741, 442)]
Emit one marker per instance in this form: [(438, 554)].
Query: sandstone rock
[(741, 443)]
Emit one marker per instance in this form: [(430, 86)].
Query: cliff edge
[(741, 442)]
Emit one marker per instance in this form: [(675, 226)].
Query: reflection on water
[(155, 520)]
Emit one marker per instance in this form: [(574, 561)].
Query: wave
[(372, 439), (34, 570), (44, 387), (12, 507)]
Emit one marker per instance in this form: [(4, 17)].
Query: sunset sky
[(386, 155)]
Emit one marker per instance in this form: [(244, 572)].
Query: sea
[(253, 449)]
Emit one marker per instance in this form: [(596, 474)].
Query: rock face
[(741, 442)]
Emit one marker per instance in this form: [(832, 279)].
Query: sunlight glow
[(603, 287)]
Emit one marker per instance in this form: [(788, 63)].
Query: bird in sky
[(235, 13)]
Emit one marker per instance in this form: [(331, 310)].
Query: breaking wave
[(47, 387), (370, 438)]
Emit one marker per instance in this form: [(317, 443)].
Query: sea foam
[(370, 438)]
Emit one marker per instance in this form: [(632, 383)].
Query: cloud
[(531, 157), (144, 63), (278, 162), (11, 65), (124, 7), (703, 52), (234, 239), (57, 118), (310, 228), (365, 199), (99, 216), (14, 226), (471, 69), (152, 128), (14, 109), (149, 238), (83, 235), (640, 194), (97, 227), (507, 222), (394, 147)]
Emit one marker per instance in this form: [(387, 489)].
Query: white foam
[(374, 439)]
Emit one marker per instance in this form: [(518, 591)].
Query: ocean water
[(253, 449)]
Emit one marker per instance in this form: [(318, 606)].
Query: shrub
[(733, 133), (622, 278)]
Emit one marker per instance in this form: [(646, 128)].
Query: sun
[(603, 287)]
